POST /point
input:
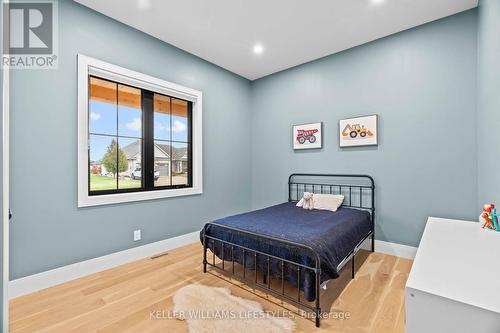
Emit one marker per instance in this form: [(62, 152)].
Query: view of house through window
[(138, 140), (171, 140)]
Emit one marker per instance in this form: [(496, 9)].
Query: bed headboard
[(358, 190)]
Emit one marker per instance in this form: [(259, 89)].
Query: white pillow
[(327, 201)]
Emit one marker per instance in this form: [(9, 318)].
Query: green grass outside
[(99, 183)]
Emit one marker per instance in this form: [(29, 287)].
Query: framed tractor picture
[(359, 131), (307, 136)]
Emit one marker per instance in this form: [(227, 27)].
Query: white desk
[(454, 283)]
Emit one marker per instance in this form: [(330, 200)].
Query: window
[(139, 137), (127, 156), (115, 136), (172, 129)]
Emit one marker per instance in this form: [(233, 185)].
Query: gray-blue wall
[(488, 106), (48, 229), (422, 84)]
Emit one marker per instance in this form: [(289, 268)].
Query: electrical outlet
[(137, 235)]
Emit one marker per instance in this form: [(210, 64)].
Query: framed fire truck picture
[(307, 136), (359, 131)]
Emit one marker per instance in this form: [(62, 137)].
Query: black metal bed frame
[(297, 188)]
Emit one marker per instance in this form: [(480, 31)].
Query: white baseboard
[(395, 249), (32, 283), (36, 282)]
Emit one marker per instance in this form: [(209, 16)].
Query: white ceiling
[(292, 32)]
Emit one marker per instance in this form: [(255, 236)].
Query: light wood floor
[(121, 299)]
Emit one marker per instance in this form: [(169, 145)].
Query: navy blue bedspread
[(332, 235)]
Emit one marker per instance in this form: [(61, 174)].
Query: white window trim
[(90, 66)]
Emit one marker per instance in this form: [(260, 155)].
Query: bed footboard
[(227, 246)]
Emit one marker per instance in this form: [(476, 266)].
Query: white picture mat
[(370, 123), (318, 143)]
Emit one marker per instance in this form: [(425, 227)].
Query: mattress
[(332, 235)]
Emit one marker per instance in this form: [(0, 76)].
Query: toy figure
[(489, 217)]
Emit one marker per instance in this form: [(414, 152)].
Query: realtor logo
[(30, 34)]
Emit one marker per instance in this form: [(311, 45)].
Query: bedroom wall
[(48, 230), (488, 105), (416, 90), (422, 84)]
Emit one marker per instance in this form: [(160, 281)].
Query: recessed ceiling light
[(258, 49), (377, 2)]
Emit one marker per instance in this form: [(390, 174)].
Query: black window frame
[(148, 143)]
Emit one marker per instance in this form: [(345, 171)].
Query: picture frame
[(358, 131), (307, 136)]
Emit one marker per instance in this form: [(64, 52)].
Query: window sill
[(108, 199)]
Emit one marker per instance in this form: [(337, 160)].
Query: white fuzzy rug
[(210, 310)]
